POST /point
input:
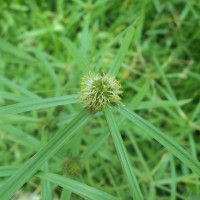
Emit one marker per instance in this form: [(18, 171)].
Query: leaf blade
[(80, 59), (47, 151), (13, 86), (121, 150), (37, 104), (115, 66), (163, 139), (76, 187)]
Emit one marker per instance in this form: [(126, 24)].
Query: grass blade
[(19, 136), (139, 96), (48, 68), (31, 166), (46, 189), (114, 69), (37, 104), (46, 186), (163, 139), (80, 59), (11, 96), (8, 83), (7, 170), (161, 103), (15, 51), (94, 147), (76, 187), (121, 150), (173, 177)]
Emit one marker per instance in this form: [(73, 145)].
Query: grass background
[(160, 76)]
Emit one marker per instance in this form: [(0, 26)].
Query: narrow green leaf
[(139, 154), (194, 75), (139, 96), (163, 139), (80, 59), (102, 53), (173, 176), (123, 155), (190, 178), (46, 186), (18, 135), (76, 187), (48, 68), (161, 72), (161, 103), (85, 40), (11, 96), (47, 151), (38, 32), (13, 86), (140, 26), (19, 119), (37, 104), (65, 195), (15, 51), (196, 111), (115, 66), (94, 147), (46, 192), (113, 181), (7, 171)]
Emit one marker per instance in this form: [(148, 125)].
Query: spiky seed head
[(72, 167), (97, 91)]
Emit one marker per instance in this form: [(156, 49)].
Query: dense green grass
[(147, 147)]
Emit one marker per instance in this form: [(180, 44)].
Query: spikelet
[(98, 91)]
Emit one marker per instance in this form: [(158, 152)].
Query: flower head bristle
[(97, 91)]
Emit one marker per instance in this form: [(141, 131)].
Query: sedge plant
[(100, 95)]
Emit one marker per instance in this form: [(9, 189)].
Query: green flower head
[(73, 167), (98, 91)]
